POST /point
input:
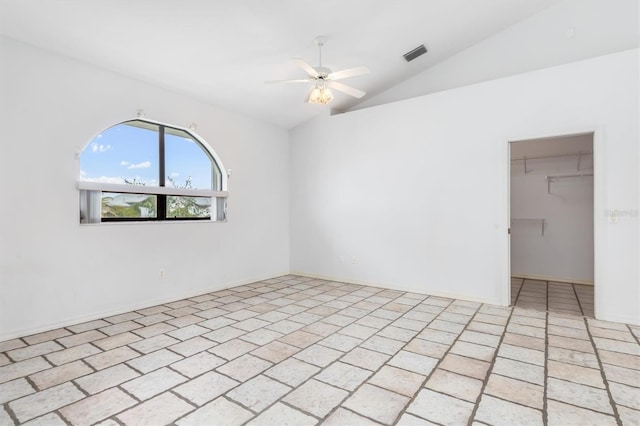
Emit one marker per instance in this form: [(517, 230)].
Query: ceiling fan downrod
[(320, 42)]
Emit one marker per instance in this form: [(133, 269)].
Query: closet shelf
[(578, 154), (530, 220), (557, 177)]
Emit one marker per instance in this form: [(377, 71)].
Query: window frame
[(218, 196)]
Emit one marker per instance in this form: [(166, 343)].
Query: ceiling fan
[(324, 79)]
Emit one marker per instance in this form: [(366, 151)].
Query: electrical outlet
[(161, 273)]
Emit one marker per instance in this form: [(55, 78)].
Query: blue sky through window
[(131, 152), (185, 158)]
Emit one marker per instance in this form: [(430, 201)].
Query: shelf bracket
[(579, 159)]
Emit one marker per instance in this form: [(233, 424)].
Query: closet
[(551, 214)]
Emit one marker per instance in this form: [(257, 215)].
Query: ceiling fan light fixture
[(320, 95)]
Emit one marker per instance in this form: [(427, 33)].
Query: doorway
[(552, 224)]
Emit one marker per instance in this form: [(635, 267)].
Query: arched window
[(142, 170)]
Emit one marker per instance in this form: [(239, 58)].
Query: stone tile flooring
[(552, 296), (299, 351)]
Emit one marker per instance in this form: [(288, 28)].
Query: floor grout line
[(435, 367), (545, 402), (490, 370), (635, 337), (602, 374)]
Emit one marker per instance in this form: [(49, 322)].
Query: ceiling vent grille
[(418, 51)]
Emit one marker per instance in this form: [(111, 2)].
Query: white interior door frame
[(598, 206)]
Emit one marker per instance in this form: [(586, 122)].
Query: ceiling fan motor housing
[(323, 72)]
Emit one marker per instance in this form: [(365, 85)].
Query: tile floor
[(555, 297), (299, 351)]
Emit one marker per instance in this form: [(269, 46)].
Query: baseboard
[(550, 278), (133, 307), (391, 286), (616, 318)]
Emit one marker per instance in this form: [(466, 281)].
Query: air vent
[(418, 51)]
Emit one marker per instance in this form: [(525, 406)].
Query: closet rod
[(536, 157), (569, 176), (575, 175), (524, 158)]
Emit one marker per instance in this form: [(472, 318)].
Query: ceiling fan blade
[(350, 72), (346, 89), (305, 66), (306, 80)]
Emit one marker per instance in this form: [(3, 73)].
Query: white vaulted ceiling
[(222, 51)]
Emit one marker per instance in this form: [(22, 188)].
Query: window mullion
[(161, 204)]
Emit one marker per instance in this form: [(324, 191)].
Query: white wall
[(54, 271), (414, 194), (564, 252)]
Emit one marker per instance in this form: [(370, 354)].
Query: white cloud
[(143, 165), (98, 147), (174, 174), (124, 163)]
